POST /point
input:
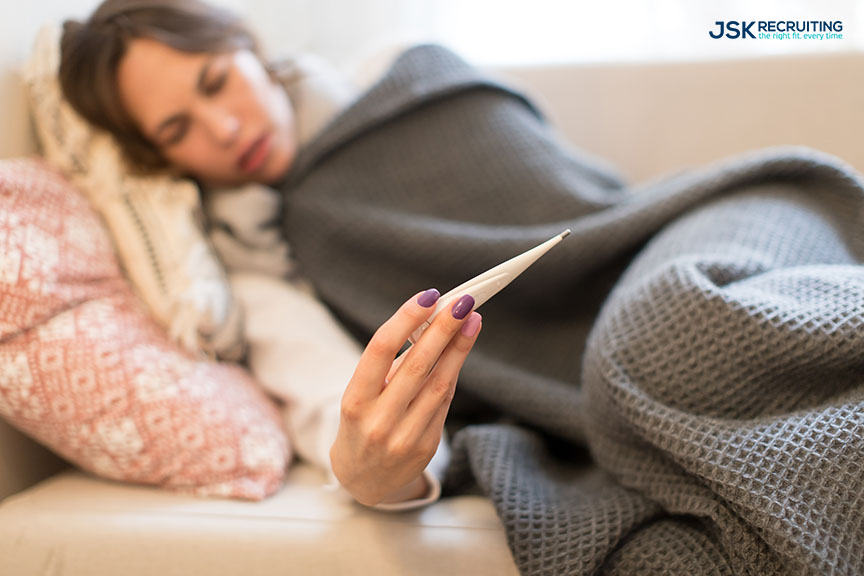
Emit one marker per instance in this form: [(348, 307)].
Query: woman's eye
[(214, 86), (177, 135)]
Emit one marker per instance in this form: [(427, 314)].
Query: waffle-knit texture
[(679, 384)]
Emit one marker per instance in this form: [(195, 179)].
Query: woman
[(183, 85)]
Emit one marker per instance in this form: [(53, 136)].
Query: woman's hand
[(393, 410)]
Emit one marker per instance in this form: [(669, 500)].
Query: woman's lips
[(254, 156)]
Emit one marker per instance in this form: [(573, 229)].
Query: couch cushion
[(95, 527), (85, 371)]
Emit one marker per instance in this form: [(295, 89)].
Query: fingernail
[(472, 325), (463, 307), (428, 298)]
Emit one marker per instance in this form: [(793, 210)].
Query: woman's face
[(216, 116)]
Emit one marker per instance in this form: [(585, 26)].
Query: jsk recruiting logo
[(778, 29)]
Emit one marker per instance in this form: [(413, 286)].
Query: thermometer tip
[(565, 233)]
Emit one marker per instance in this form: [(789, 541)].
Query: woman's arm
[(302, 355)]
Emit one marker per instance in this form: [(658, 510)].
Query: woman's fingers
[(377, 358), (423, 355), (429, 408), (395, 366)]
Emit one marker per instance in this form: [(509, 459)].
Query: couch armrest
[(23, 462)]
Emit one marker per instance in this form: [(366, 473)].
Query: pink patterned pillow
[(86, 372)]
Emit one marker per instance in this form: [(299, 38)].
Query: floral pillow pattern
[(87, 372)]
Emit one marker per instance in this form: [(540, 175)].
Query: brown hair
[(92, 50)]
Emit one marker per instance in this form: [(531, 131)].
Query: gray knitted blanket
[(678, 387)]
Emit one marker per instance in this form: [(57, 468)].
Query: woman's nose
[(222, 125)]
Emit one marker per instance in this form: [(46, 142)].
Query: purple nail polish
[(463, 307), (428, 298)]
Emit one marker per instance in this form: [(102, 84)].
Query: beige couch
[(648, 119)]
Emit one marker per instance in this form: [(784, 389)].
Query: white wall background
[(484, 31), (543, 31), (560, 30)]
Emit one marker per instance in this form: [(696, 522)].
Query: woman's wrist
[(414, 490)]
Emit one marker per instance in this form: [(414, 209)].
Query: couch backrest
[(649, 119)]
